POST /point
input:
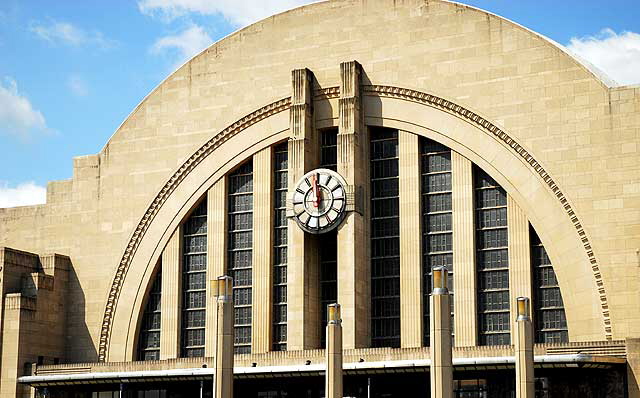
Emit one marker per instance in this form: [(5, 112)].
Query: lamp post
[(222, 288), (441, 371), (333, 376), (525, 381)]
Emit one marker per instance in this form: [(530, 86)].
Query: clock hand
[(316, 191)]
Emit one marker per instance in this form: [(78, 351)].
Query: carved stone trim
[(490, 128), (161, 198), (326, 93), (283, 105)]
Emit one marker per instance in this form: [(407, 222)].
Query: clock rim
[(341, 215)]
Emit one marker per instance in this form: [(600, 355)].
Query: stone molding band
[(175, 180), (490, 128), (325, 93)]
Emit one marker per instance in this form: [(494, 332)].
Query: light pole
[(441, 371), (222, 288), (333, 376), (525, 381)]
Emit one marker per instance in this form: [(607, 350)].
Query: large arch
[(425, 114)]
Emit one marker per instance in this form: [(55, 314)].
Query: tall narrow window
[(385, 239), (240, 245), (329, 149), (437, 233), (492, 261), (328, 261), (280, 249), (194, 276), (149, 338), (328, 255), (549, 316)]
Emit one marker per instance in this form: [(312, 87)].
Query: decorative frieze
[(285, 104)]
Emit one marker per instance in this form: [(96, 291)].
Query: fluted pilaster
[(262, 251), (410, 241), (464, 275), (519, 258), (303, 305), (170, 301), (353, 235), (216, 253)]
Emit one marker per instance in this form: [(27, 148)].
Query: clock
[(319, 201)]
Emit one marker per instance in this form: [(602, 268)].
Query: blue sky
[(71, 71)]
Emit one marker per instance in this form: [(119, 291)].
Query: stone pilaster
[(354, 279), (525, 380), (303, 306), (18, 330), (223, 377), (441, 371), (464, 275), (170, 300), (519, 257), (410, 241), (262, 251), (216, 253), (334, 359)]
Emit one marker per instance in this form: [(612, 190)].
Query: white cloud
[(78, 86), (25, 194), (183, 45), (66, 33), (17, 116), (618, 55), (238, 12)]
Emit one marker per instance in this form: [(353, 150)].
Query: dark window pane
[(385, 241), (492, 260), (549, 314)]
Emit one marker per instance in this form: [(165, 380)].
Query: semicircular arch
[(425, 114)]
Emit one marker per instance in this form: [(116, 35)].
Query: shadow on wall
[(79, 347)]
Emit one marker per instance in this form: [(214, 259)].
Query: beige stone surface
[(303, 305), (216, 252), (464, 251), (581, 134), (333, 385), (171, 298), (441, 370), (262, 251), (34, 311), (523, 342), (223, 359), (411, 293), (520, 272), (353, 235)]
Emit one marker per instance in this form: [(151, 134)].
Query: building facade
[(337, 153)]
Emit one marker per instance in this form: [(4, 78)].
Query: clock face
[(319, 201)]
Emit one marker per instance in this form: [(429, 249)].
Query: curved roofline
[(592, 69), (607, 81), (233, 33)]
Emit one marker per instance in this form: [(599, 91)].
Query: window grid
[(437, 232), (385, 239), (549, 315), (492, 261), (328, 260), (240, 245), (194, 271), (328, 255), (149, 338), (280, 171), (329, 149)]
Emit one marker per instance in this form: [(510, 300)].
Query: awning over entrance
[(354, 368)]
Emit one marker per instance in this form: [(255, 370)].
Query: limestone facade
[(562, 143)]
